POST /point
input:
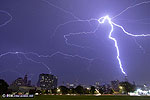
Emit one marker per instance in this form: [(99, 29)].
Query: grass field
[(48, 97)]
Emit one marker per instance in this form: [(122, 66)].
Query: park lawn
[(49, 97)]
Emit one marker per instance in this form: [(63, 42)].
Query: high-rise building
[(47, 81), (19, 83), (29, 83), (22, 82), (25, 79)]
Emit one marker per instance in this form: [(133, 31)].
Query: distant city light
[(120, 87), (140, 92), (58, 90)]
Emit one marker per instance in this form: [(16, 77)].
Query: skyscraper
[(25, 79), (47, 81)]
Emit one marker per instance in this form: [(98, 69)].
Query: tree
[(110, 91), (92, 91), (127, 87), (54, 91), (3, 87), (63, 89), (86, 91), (32, 91), (79, 89), (9, 91), (71, 91)]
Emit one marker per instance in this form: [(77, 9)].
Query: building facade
[(47, 81), (19, 83)]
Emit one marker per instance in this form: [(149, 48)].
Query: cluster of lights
[(140, 92)]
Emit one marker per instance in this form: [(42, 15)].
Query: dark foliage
[(3, 87), (92, 90), (64, 89), (128, 87), (79, 89)]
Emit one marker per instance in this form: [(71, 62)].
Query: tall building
[(47, 81), (29, 83), (25, 79), (19, 83), (22, 82)]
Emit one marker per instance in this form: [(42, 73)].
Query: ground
[(81, 98)]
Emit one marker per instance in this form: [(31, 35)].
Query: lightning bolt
[(89, 32), (63, 10), (112, 24), (138, 4), (41, 56), (26, 57), (101, 21), (8, 21)]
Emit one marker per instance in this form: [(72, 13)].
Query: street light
[(58, 90), (120, 87)]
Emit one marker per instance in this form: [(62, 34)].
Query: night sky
[(37, 28)]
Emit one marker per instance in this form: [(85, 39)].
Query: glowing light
[(112, 24), (88, 88), (101, 21), (97, 92), (120, 87), (58, 90)]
